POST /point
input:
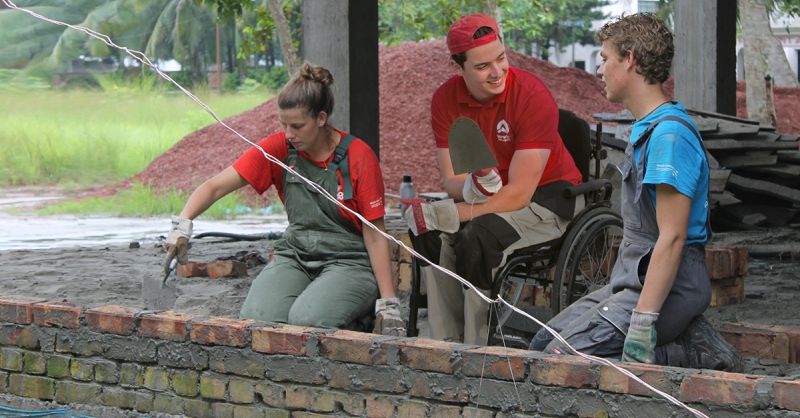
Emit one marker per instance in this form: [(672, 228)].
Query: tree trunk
[(284, 37), (763, 55)]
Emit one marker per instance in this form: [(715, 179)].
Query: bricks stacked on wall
[(773, 342), (401, 259), (176, 363), (727, 268)]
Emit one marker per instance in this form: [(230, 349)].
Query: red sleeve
[(261, 173), (537, 120), (365, 174), (440, 117)]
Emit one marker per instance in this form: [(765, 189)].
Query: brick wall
[(218, 367)]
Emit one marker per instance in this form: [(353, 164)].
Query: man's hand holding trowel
[(469, 154)]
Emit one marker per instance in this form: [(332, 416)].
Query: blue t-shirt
[(675, 157)]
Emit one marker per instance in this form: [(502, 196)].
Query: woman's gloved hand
[(441, 215), (480, 185), (177, 243), (640, 343), (387, 318)]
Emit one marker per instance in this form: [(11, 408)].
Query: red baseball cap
[(460, 36)]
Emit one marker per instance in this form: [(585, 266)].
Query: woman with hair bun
[(328, 269)]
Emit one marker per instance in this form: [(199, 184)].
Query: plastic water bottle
[(407, 191)]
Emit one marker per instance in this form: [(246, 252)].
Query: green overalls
[(321, 274)]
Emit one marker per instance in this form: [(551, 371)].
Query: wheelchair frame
[(582, 253)]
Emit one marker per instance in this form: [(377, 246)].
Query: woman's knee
[(314, 318)]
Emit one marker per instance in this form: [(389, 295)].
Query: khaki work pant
[(456, 314)]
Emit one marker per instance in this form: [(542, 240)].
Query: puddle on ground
[(26, 232), (40, 232)]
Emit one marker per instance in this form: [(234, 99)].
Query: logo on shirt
[(339, 193), (502, 131)]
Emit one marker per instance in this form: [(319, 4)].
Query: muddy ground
[(94, 276)]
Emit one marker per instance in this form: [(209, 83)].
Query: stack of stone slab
[(755, 170)]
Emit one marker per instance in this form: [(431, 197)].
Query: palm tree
[(179, 29)]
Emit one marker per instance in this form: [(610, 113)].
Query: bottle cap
[(407, 179)]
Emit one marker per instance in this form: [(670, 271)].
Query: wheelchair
[(545, 278)]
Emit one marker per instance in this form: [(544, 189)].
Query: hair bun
[(314, 73)]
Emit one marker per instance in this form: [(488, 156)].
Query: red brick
[(787, 395), (742, 260), (192, 270), (112, 319), (495, 363), (792, 333), (565, 371), (220, 331), (226, 268), (729, 291), (754, 341), (20, 337), (424, 354), (351, 347), (381, 406), (287, 339), (18, 309), (794, 344), (719, 388), (612, 380), (720, 262), (169, 325), (57, 314)]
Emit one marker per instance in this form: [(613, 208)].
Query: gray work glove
[(177, 243), (441, 215), (387, 318), (640, 342)]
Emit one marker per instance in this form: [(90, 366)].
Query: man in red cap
[(496, 210)]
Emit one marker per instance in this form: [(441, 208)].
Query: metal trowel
[(469, 150), (157, 293)]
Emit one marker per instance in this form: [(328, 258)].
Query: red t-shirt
[(523, 116), (365, 174)]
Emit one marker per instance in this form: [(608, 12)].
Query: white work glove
[(441, 215), (481, 184), (387, 318), (177, 244)]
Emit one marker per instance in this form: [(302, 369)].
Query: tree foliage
[(524, 23), (164, 29)]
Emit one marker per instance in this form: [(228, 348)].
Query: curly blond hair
[(647, 38)]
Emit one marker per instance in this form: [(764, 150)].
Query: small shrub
[(231, 82), (275, 78)]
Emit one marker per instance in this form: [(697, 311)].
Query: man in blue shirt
[(651, 311)]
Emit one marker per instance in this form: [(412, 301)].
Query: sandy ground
[(94, 276)]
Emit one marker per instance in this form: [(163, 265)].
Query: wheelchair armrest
[(588, 187)]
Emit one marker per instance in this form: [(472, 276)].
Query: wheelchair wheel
[(586, 256), (520, 273)]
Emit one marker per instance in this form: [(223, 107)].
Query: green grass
[(79, 138), (141, 200), (74, 139)]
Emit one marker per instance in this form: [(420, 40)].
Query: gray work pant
[(597, 323)]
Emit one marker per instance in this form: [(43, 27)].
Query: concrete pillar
[(342, 36), (705, 54)]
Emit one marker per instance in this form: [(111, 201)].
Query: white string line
[(141, 57)]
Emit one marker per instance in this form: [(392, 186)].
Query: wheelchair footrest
[(518, 323)]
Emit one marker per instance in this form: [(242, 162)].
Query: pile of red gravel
[(409, 74)]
